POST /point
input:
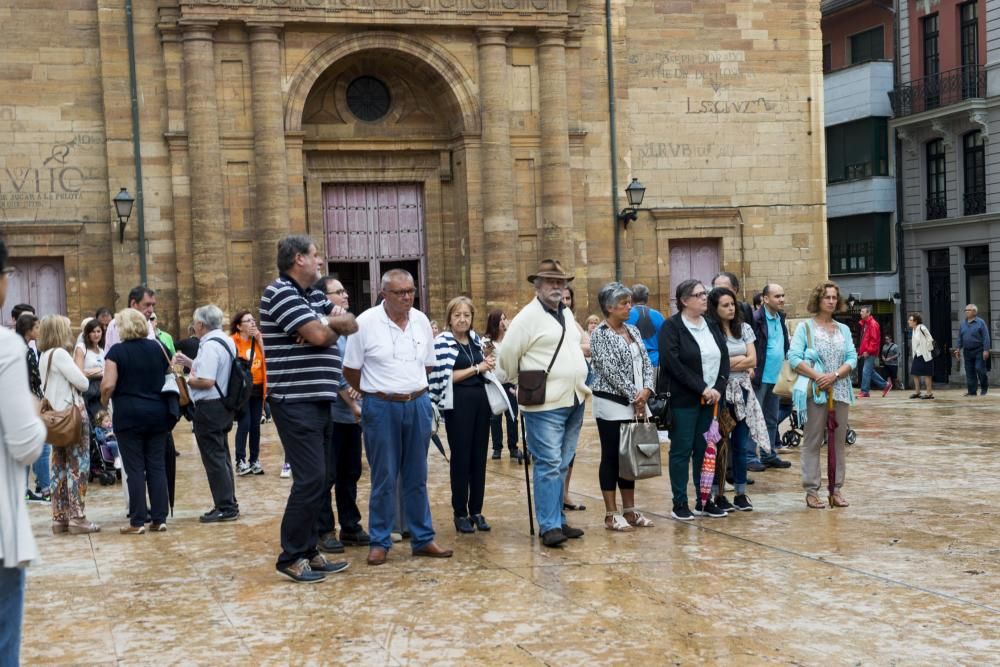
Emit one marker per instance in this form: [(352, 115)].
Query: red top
[(871, 335)]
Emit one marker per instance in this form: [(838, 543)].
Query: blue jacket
[(759, 325)]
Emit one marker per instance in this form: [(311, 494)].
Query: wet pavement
[(907, 575)]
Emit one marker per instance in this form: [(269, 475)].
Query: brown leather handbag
[(531, 384), (64, 427)]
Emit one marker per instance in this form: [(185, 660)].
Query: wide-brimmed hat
[(550, 268)]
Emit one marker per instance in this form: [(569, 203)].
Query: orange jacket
[(259, 366)]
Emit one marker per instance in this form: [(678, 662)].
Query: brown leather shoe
[(377, 556), (432, 550)]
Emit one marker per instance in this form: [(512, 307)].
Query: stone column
[(499, 225), (557, 202), (271, 176), (209, 248)]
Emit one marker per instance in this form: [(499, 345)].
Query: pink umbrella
[(712, 436)]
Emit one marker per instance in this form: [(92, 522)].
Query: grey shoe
[(330, 544)]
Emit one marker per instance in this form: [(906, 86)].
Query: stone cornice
[(478, 13)]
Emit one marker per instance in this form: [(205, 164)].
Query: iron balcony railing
[(937, 207), (939, 90), (974, 202)]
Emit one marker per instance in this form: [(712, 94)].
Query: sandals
[(59, 527), (927, 396), (837, 500), (916, 395), (637, 520), (570, 507), (618, 523), (83, 528), (814, 502)]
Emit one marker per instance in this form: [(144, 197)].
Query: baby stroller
[(105, 460), (793, 436)]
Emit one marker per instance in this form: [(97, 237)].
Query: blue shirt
[(974, 335), (650, 342), (775, 349), (297, 371)]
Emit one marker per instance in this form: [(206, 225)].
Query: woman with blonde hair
[(822, 353), (458, 388), (62, 383), (134, 371)]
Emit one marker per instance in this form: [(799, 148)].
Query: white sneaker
[(286, 471), (243, 468), (256, 468)]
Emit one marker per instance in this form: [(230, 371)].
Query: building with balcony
[(858, 75), (946, 100)]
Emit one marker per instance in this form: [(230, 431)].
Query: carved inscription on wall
[(57, 178), (716, 69), (459, 6)]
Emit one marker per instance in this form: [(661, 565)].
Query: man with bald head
[(772, 346)]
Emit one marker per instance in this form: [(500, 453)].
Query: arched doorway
[(387, 147)]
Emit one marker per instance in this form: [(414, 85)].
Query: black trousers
[(343, 470), (304, 429), (607, 473), (468, 429), (496, 428), (144, 458), (248, 427), (212, 423)]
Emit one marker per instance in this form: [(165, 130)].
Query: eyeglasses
[(401, 292), (8, 271), (404, 346), (248, 320), (699, 295), (338, 291)]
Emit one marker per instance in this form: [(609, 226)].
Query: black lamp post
[(634, 192), (123, 202)]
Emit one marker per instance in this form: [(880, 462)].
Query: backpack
[(645, 323), (240, 379)]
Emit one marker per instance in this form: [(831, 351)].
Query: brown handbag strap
[(48, 370), (558, 347)]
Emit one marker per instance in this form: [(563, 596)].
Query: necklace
[(467, 350)]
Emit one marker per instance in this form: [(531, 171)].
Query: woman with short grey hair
[(623, 382)]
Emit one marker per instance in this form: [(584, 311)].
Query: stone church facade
[(461, 139)]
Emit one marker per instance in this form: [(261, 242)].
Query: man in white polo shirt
[(387, 361)]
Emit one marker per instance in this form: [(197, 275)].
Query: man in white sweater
[(542, 337)]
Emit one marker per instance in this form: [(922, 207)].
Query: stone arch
[(338, 47)]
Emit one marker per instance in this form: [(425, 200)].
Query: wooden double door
[(371, 228), (39, 281)]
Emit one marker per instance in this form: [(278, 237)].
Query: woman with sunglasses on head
[(694, 368), (245, 334), (724, 310)]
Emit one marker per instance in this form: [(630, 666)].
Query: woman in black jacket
[(694, 368)]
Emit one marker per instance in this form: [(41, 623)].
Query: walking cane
[(527, 479)]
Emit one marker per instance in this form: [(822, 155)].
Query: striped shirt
[(296, 372)]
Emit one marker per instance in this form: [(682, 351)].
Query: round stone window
[(368, 98)]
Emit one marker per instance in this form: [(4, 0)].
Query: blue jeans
[(551, 437), (248, 429), (868, 375), (397, 435), (43, 478), (975, 370), (11, 611), (770, 404)]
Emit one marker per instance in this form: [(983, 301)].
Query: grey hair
[(974, 308), (611, 294), (211, 316), (289, 247), (640, 293), (866, 308), (393, 274)]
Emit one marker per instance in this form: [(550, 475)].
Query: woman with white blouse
[(62, 383)]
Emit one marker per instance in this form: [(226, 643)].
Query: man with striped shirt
[(300, 328)]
